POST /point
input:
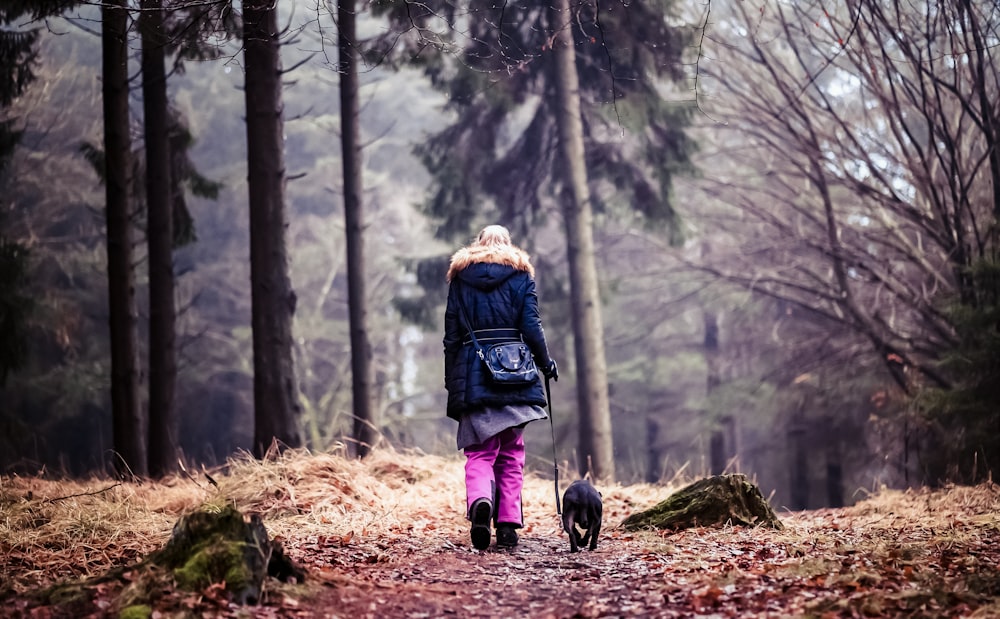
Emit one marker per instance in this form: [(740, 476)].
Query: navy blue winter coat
[(496, 295)]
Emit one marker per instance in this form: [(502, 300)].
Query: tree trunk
[(159, 239), (126, 415), (654, 454), (596, 443), (272, 299), (799, 464), (717, 457), (834, 477), (365, 424)]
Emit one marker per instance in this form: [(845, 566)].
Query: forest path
[(910, 558), (443, 576)]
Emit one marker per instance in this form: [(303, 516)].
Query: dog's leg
[(569, 525), (596, 513)]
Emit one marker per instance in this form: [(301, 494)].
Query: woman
[(492, 290)]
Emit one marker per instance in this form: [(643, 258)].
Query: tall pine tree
[(365, 422), (276, 408)]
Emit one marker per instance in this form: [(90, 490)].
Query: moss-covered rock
[(720, 499), (211, 546), (218, 545)]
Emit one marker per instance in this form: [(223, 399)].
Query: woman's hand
[(551, 370)]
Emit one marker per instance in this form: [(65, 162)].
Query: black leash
[(555, 462)]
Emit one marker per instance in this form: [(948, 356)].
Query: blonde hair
[(492, 236), (491, 246)]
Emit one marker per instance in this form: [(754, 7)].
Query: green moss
[(216, 560), (217, 544), (139, 611)]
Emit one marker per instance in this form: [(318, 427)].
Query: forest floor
[(387, 538)]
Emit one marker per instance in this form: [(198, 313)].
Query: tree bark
[(596, 442), (159, 238), (654, 453), (798, 463), (717, 456), (272, 298), (127, 420), (834, 477), (365, 424)]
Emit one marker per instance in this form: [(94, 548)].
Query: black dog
[(582, 507)]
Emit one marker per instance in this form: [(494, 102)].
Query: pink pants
[(497, 462)]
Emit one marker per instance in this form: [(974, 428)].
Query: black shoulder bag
[(508, 363)]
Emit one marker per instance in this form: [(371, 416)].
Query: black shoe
[(480, 514), (506, 535)]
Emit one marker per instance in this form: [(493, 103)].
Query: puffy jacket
[(498, 291)]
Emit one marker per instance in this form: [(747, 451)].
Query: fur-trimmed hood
[(506, 255)]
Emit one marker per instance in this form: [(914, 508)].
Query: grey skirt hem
[(477, 426)]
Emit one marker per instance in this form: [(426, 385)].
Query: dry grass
[(53, 529)]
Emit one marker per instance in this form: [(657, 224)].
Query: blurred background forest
[(795, 232)]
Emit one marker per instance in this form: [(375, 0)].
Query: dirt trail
[(540, 578), (912, 555)]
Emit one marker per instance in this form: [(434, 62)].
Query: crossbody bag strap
[(468, 326)]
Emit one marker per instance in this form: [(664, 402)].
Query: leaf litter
[(387, 537)]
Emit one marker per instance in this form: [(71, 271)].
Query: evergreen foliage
[(185, 177), (199, 30), (11, 10), (493, 60), (15, 306), (417, 303), (17, 62), (965, 418), (17, 57)]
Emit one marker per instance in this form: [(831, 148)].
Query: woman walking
[(492, 292)]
